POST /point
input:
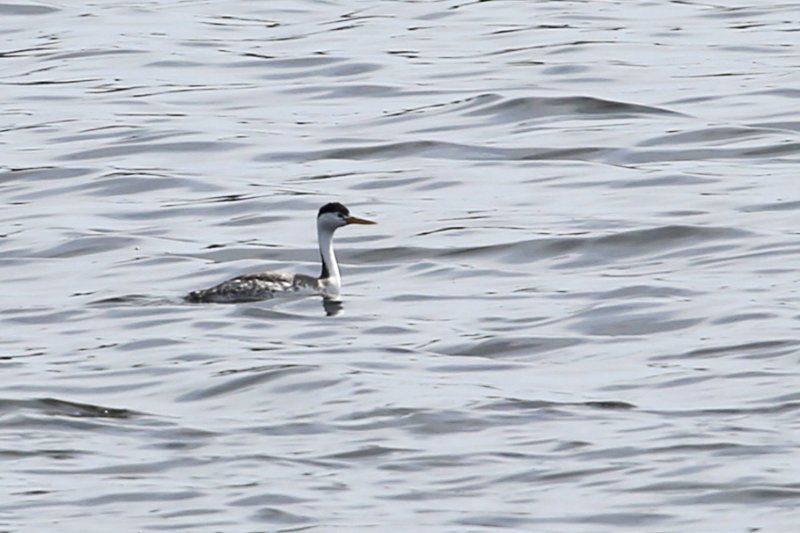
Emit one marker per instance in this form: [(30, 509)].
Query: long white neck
[(330, 268)]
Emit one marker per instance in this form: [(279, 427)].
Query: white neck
[(330, 268)]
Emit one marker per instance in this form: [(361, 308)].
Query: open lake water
[(580, 310)]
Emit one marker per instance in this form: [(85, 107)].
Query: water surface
[(579, 311)]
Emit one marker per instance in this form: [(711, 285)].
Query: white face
[(331, 221)]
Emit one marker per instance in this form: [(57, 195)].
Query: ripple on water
[(150, 148), (510, 347), (25, 10), (251, 378)]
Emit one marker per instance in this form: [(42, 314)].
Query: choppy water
[(579, 312)]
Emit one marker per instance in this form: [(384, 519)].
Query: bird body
[(253, 287)]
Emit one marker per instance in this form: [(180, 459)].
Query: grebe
[(252, 287)]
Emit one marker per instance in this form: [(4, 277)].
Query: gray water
[(578, 313)]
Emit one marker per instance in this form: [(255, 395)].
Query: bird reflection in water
[(332, 307)]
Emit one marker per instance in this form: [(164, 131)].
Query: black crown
[(333, 207)]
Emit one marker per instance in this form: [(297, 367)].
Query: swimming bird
[(252, 287)]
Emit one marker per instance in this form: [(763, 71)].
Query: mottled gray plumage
[(252, 287)]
